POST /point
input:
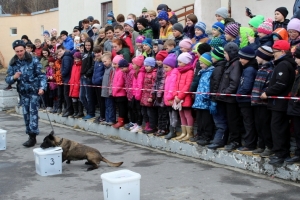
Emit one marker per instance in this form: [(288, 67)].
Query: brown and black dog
[(75, 151)]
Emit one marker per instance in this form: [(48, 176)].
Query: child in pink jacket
[(118, 89), (170, 82), (147, 100), (183, 84)]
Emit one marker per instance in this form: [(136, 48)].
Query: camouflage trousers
[(30, 104)]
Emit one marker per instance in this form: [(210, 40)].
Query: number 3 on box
[(52, 161)]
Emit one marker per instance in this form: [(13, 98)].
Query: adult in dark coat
[(280, 84)]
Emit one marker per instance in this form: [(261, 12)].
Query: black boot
[(75, 107), (55, 107), (171, 134), (80, 110), (31, 141)]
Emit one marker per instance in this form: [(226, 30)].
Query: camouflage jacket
[(32, 78)]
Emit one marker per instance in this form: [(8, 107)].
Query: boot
[(75, 107), (183, 133), (147, 127), (171, 134), (189, 131), (120, 123), (31, 141), (80, 110)]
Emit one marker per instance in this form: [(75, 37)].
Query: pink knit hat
[(139, 60), (140, 39), (294, 24), (117, 59), (185, 58), (186, 43), (266, 27)]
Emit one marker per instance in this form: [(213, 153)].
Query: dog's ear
[(52, 133), (51, 137)]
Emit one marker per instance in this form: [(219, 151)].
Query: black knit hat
[(283, 11), (232, 49), (24, 37), (123, 63), (266, 53), (178, 27), (18, 43), (203, 48), (247, 53), (144, 22), (64, 33)]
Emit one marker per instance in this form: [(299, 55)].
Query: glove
[(179, 105), (159, 100), (213, 108), (174, 106)]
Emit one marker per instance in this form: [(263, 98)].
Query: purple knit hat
[(140, 39), (232, 29), (170, 60)]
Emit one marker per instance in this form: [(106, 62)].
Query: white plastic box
[(2, 139), (121, 185), (48, 161)]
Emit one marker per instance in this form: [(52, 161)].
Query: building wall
[(29, 25)]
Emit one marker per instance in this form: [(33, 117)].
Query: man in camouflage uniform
[(31, 83)]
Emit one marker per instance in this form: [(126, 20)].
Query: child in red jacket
[(147, 100), (75, 86), (183, 84)]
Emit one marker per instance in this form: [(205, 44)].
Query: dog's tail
[(111, 163)]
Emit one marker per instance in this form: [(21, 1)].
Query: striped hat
[(266, 27), (216, 42), (219, 26), (232, 29), (247, 53), (206, 59), (201, 26), (265, 53), (218, 53)]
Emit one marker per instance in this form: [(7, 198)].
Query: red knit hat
[(266, 27), (51, 59), (139, 60), (282, 45), (161, 55)]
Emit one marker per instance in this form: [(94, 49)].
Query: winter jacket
[(189, 31), (294, 44), (32, 78), (38, 52), (230, 80), (264, 41), (66, 66), (196, 78), (294, 105), (118, 84), (147, 32), (173, 19), (95, 37), (137, 83), (89, 31), (244, 33), (171, 78), (216, 77), (149, 81), (261, 83), (202, 40), (296, 6), (57, 76), (133, 38), (177, 40), (50, 72), (87, 68), (108, 46), (75, 80), (283, 24), (154, 24), (166, 33), (183, 84), (203, 101), (236, 41), (68, 43), (247, 81), (44, 62), (281, 83), (159, 85), (126, 54), (99, 69), (128, 76), (107, 82), (127, 38)]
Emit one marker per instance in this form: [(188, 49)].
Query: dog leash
[(47, 113)]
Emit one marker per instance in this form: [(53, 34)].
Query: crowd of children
[(155, 74)]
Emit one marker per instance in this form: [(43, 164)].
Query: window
[(105, 9), (13, 31), (42, 29)]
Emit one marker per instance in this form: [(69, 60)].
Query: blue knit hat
[(149, 62), (217, 53), (201, 26), (111, 14), (206, 59), (18, 43), (148, 41), (247, 53), (163, 15), (219, 26), (46, 33), (216, 42), (123, 63)]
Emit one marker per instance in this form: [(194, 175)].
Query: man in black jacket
[(280, 84)]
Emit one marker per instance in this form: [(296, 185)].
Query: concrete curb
[(245, 161)]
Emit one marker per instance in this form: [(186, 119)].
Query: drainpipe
[(229, 8)]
